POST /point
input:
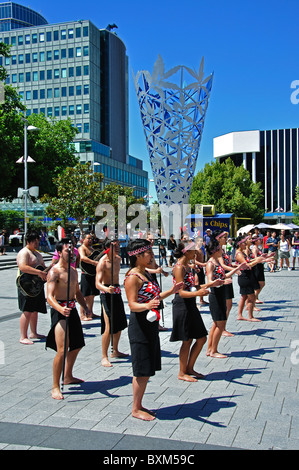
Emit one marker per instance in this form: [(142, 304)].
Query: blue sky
[(251, 46)]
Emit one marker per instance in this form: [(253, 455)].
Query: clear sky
[(251, 46)]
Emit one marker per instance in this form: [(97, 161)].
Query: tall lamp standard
[(26, 159)]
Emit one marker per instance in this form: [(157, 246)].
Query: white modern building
[(272, 158)]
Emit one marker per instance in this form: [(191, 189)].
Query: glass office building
[(13, 16), (272, 158), (74, 70)]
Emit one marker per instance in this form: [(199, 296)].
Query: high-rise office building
[(75, 70), (272, 158)]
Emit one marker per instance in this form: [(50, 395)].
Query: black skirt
[(119, 314), (247, 282), (217, 300), (32, 304), (187, 321), (76, 337), (88, 285), (229, 291), (258, 270), (145, 345)]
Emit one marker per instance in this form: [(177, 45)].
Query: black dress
[(217, 297), (187, 321), (143, 334)]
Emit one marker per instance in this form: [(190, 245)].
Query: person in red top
[(265, 246)]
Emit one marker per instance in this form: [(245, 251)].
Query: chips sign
[(2, 93)]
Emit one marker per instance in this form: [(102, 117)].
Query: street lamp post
[(26, 160)]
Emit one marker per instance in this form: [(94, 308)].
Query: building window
[(56, 35), (71, 52), (56, 92), (63, 110), (86, 108), (34, 57), (20, 40), (35, 94), (42, 75), (42, 57), (21, 77), (21, 58), (28, 77), (86, 126), (56, 73), (42, 94), (85, 31), (78, 90), (49, 74), (56, 54), (27, 58), (49, 36), (35, 76), (78, 32), (79, 109), (56, 111), (63, 73), (41, 37), (85, 70), (78, 71), (49, 93), (42, 110), (79, 127), (63, 91), (49, 55), (86, 89), (85, 51), (13, 41), (71, 33), (49, 111), (63, 34), (34, 38), (71, 91), (78, 51), (28, 95), (71, 109), (63, 54), (71, 72), (14, 78)]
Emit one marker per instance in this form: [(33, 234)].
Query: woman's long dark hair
[(178, 252), (212, 246)]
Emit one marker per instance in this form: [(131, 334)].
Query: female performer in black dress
[(144, 297), (217, 298), (247, 280), (187, 321)]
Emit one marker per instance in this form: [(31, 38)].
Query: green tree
[(295, 207), (78, 195), (230, 189)]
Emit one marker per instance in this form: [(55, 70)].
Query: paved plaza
[(247, 401)]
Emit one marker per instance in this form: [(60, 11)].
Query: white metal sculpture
[(173, 106)]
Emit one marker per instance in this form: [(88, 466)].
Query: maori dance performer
[(217, 298), (57, 286), (225, 261), (110, 287), (88, 287), (143, 296), (29, 260), (246, 280), (187, 321)]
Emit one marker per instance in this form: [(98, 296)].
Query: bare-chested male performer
[(87, 286), (57, 283), (110, 287), (28, 259)]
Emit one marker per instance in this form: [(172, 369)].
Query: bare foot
[(218, 355), (148, 411), (254, 319), (72, 381), (227, 333), (119, 354), (84, 318), (196, 374), (36, 336), (106, 363), (258, 301), (186, 378), (56, 394), (144, 415), (242, 318), (26, 341)]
